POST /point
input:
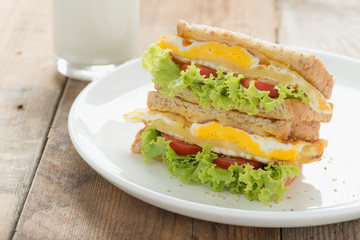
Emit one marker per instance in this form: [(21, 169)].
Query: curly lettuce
[(265, 185), (222, 92)]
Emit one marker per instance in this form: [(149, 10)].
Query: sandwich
[(231, 111)]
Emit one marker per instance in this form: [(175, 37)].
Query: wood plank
[(69, 200), (208, 230), (26, 52), (330, 26), (23, 126), (321, 24), (29, 93), (159, 18), (347, 231)]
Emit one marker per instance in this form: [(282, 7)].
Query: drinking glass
[(92, 37)]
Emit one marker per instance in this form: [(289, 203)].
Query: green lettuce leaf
[(265, 184), (158, 63), (223, 92), (153, 145)]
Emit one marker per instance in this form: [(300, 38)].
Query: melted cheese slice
[(230, 140), (239, 60)]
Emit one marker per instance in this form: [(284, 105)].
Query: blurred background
[(332, 25)]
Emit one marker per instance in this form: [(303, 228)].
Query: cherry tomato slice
[(203, 70), (180, 147), (262, 87), (226, 162)]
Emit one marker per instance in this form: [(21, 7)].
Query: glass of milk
[(92, 37)]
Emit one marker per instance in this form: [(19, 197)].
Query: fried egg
[(230, 140), (240, 60)]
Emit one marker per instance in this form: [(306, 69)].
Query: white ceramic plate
[(326, 192)]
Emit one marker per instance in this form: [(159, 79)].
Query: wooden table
[(48, 192)]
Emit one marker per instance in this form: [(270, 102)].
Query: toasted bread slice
[(290, 110), (137, 144), (286, 130), (307, 65)]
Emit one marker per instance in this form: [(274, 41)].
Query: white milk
[(95, 32)]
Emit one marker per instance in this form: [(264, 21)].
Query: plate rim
[(256, 218)]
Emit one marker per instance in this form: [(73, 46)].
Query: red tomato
[(203, 70), (262, 87), (226, 162), (180, 147), (183, 148)]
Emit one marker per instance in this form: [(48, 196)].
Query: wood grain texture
[(321, 24), (69, 200), (347, 231), (331, 26), (159, 18), (23, 126), (26, 55), (207, 230), (29, 93)]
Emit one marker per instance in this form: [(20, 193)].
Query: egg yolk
[(215, 130), (209, 50)]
